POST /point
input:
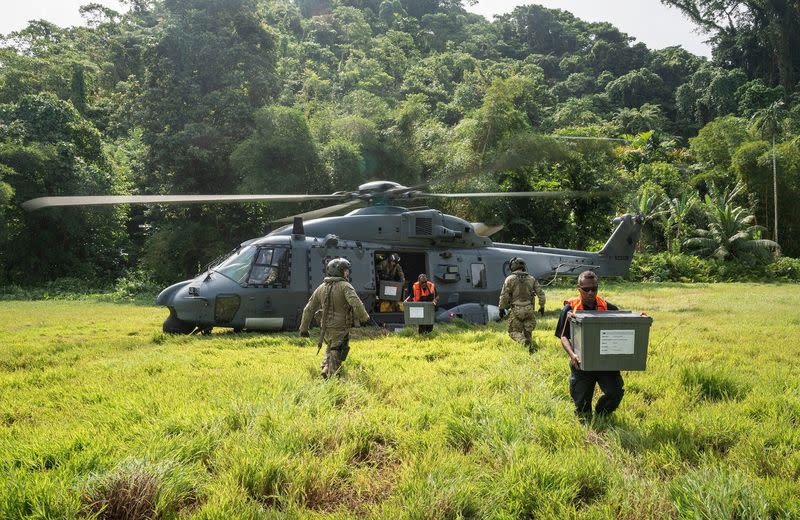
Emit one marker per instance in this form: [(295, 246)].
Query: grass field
[(101, 414)]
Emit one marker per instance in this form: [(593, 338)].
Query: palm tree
[(767, 122), (650, 207), (677, 210), (731, 233), (647, 204)]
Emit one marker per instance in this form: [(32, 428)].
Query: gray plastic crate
[(610, 340), (419, 313)]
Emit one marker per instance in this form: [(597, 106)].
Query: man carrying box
[(582, 383), (389, 270), (424, 291)]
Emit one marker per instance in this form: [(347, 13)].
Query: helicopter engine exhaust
[(298, 230)]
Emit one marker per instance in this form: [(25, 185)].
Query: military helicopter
[(264, 283)]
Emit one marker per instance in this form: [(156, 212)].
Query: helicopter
[(264, 283)]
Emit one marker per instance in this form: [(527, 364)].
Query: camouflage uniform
[(519, 291), (389, 273), (341, 309)]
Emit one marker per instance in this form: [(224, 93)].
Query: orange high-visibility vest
[(577, 304), (426, 292)]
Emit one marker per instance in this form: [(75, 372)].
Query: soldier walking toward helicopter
[(517, 298), (340, 309)]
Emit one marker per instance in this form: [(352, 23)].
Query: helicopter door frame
[(413, 263)]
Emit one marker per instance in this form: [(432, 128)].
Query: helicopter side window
[(271, 267), (478, 272), (237, 265)]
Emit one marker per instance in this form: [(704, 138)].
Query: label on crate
[(416, 312), (616, 342), (390, 290)]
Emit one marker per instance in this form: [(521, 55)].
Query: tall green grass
[(102, 415)]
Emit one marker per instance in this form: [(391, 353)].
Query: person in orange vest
[(582, 383), (424, 291)]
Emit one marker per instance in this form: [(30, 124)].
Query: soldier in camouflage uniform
[(517, 298), (341, 308), (389, 270)]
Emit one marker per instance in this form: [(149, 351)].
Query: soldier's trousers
[(521, 322), (581, 388), (335, 354)]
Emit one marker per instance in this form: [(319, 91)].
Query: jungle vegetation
[(247, 96)]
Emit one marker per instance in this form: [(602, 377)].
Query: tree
[(714, 147), (638, 120), (649, 202), (211, 66), (767, 122), (761, 36), (636, 88), (47, 148), (755, 95), (678, 210), (280, 156), (731, 233), (533, 29), (710, 93)]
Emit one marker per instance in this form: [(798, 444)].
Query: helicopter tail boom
[(616, 255)]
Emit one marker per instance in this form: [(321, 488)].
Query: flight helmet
[(517, 263), (338, 266)]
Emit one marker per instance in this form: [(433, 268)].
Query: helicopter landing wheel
[(172, 325)]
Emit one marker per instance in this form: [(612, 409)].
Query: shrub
[(135, 283), (671, 267), (786, 268), (664, 267)]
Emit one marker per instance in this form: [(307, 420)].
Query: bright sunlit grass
[(102, 413)]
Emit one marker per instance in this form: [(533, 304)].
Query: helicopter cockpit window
[(237, 265), (478, 272), (271, 267)]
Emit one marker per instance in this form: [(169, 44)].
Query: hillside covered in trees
[(315, 96)]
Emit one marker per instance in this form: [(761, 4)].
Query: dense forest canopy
[(271, 96)]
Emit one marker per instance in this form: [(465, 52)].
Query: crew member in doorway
[(389, 270), (424, 291)]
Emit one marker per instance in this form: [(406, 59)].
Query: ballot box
[(610, 340), (392, 291), (419, 313)]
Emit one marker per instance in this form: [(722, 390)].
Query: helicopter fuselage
[(267, 281)]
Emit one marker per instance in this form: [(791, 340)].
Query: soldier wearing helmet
[(341, 308), (517, 298), (389, 270)]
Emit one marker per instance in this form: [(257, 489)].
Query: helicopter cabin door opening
[(412, 263)]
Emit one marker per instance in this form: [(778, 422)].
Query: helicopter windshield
[(237, 265)]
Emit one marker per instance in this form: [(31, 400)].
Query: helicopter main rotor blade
[(104, 200), (527, 194), (317, 213)]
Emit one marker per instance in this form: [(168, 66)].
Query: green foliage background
[(242, 96)]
